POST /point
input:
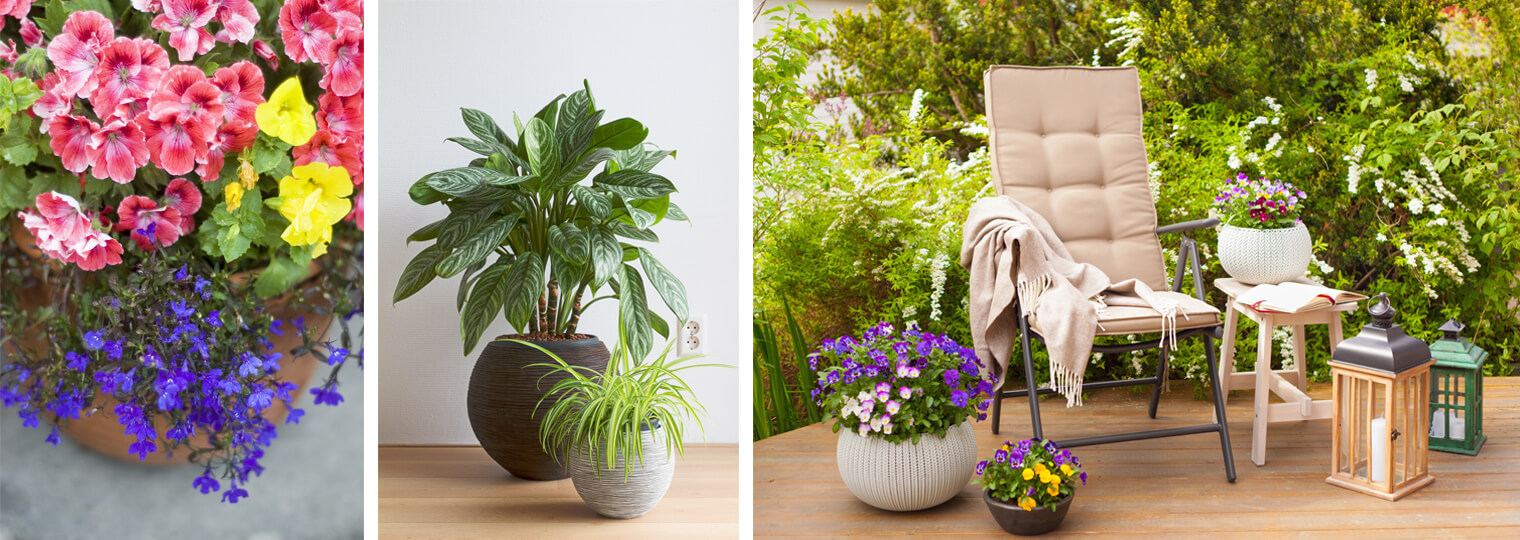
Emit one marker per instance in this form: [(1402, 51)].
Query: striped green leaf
[(418, 273), (635, 184), (671, 290), (477, 247), (484, 303)]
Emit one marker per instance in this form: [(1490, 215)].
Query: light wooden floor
[(458, 492), (1173, 487)]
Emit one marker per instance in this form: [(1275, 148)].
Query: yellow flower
[(1028, 474), (1066, 470), (1026, 503), (246, 173), (313, 199), (287, 115), (234, 195), (1053, 490)]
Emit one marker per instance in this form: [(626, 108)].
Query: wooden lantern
[(1381, 409), (1456, 393)]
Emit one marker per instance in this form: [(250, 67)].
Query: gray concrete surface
[(312, 486)]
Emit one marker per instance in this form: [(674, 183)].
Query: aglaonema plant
[(557, 206)]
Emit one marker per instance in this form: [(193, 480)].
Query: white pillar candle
[(1458, 426), (1438, 426), (1379, 450)]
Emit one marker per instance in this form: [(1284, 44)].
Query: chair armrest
[(1186, 226)]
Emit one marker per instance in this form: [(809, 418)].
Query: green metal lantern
[(1456, 392)]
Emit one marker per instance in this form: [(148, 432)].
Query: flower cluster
[(1031, 473), (63, 231), (899, 386), (184, 359), (1258, 203)]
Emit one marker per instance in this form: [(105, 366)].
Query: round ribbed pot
[(504, 392), (904, 476), (606, 490), (1255, 256), (1016, 520)]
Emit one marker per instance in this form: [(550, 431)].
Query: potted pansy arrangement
[(902, 403), (179, 223), (1029, 486), (1262, 239)]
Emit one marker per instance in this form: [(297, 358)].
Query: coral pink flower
[(348, 13), (267, 53), (76, 51), (175, 146), (137, 213), (326, 148), (345, 70), (117, 150), (8, 49), (242, 86), (231, 137), (129, 69), (71, 140), (182, 196), (29, 32), (186, 95), (343, 116), (148, 6), (238, 18), (15, 8), (63, 231), (306, 29), (52, 102), (185, 21)]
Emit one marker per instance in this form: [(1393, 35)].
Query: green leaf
[(543, 151), (620, 134), (16, 96), (484, 128), (270, 156), (640, 159), (470, 182), (675, 213), (464, 284), (282, 275), (633, 310), (484, 303), (664, 282), (423, 194), (631, 233), (569, 242), (635, 184), (524, 285), (598, 204), (16, 149), (605, 255), (477, 247), (483, 148), (418, 273), (427, 232), (464, 222), (579, 170)]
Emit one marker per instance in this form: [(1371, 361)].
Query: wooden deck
[(1175, 486), (458, 492)]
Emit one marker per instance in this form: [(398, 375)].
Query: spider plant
[(604, 414)]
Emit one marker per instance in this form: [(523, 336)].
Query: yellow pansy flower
[(234, 195), (1028, 474), (1066, 470), (246, 173), (287, 115), (314, 199), (1026, 503), (1053, 490)]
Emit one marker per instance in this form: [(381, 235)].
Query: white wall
[(671, 65)]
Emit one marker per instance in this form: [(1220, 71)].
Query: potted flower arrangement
[(1262, 239), (902, 404), (175, 235), (557, 205), (617, 430), (1029, 486)]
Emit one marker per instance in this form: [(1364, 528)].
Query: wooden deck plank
[(1172, 486)]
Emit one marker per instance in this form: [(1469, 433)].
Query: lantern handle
[(1382, 312)]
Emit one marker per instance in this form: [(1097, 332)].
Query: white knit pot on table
[(905, 476), (1265, 255), (606, 491)]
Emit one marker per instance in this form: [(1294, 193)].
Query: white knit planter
[(1265, 255), (609, 495), (905, 476)]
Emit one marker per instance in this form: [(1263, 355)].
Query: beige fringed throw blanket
[(1013, 256)]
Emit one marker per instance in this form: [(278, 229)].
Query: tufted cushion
[(1066, 142), (1126, 320)]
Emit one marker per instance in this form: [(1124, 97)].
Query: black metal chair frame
[(1187, 260)]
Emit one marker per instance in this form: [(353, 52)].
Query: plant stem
[(551, 315), (575, 311)]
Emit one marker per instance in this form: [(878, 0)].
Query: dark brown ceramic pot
[(1023, 522), (505, 391)]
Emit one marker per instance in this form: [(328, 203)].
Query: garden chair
[(1066, 142)]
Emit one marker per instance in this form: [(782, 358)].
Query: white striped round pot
[(610, 493), (905, 476), (1265, 255)]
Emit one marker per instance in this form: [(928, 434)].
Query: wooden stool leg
[(1227, 352), (1300, 361), (1263, 391)]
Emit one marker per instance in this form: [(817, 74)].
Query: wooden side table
[(1288, 384)]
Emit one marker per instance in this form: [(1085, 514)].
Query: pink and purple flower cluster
[(898, 386), (1258, 203)]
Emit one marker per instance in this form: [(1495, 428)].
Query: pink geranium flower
[(182, 196), (231, 137), (267, 53), (343, 116), (52, 102), (15, 8), (348, 13), (242, 86), (185, 21), (345, 69), (76, 51), (29, 32), (71, 140), (238, 18), (173, 145), (186, 95), (307, 29), (324, 147), (63, 231), (148, 6), (129, 69), (117, 150), (142, 216)]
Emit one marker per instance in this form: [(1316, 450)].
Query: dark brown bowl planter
[(1023, 522), (504, 392)]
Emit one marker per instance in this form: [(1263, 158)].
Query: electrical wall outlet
[(692, 337)]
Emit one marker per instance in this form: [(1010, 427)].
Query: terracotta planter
[(102, 432), (505, 391), (1023, 522)]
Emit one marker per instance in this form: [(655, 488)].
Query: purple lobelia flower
[(93, 340), (205, 483), (76, 361), (326, 394)]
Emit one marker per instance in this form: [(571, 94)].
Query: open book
[(1294, 297)]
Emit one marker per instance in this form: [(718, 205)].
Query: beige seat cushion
[(1066, 141), (1123, 320)]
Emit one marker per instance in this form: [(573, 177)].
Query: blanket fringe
[(1067, 383)]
